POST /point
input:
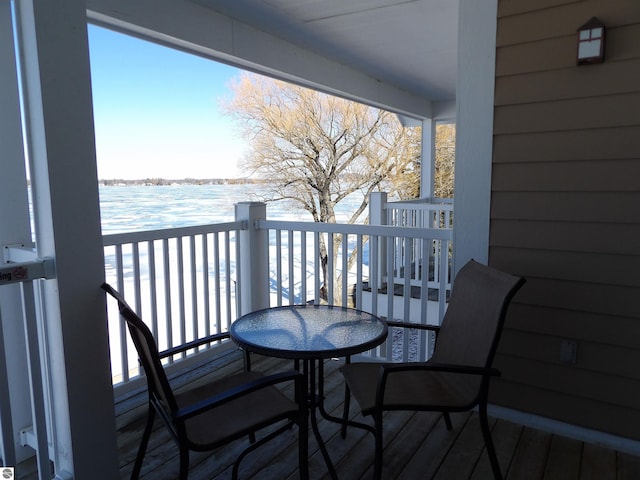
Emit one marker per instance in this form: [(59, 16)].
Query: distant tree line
[(183, 181)]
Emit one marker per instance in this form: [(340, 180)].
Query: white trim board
[(603, 439)]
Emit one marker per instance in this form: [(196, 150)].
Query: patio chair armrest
[(241, 390), (441, 367), (193, 344), (419, 326), (388, 369)]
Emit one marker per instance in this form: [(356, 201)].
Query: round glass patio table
[(308, 331), (311, 333)]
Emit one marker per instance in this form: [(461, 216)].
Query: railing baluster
[(194, 288), (290, 255), (206, 307), (359, 273), (303, 266), (279, 267), (330, 268), (217, 284), (168, 317), (135, 261), (392, 255), (153, 295), (227, 277), (408, 266), (423, 351), (444, 278), (345, 269), (317, 267), (181, 300), (124, 355)]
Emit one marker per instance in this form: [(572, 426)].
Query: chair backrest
[(147, 349), (473, 322)]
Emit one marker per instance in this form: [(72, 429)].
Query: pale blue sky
[(157, 111)]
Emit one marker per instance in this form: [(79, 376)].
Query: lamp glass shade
[(589, 49), (591, 42)]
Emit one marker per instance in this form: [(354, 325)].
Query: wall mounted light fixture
[(591, 42)]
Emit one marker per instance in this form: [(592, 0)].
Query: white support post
[(53, 45), (254, 258), (474, 129), (15, 229), (378, 216), (428, 166)]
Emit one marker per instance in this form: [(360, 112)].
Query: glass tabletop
[(308, 331)]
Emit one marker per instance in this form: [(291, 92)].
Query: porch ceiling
[(410, 44), (400, 55)]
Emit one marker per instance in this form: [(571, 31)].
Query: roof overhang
[(394, 54)]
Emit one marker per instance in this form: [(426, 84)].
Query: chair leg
[(377, 463), (184, 462), (345, 412), (137, 466), (447, 420), (347, 405), (303, 449), (486, 433)]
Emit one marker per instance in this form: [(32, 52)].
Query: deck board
[(564, 459), (417, 445), (530, 456)]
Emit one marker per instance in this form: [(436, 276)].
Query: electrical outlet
[(568, 351)]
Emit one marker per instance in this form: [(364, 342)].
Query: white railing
[(421, 213), (191, 282), (28, 274), (354, 254), (431, 213), (181, 281)]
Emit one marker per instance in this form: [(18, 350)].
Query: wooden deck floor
[(418, 446)]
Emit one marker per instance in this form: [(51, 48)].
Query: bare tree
[(445, 160), (315, 149)]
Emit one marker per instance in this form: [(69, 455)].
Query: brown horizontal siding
[(612, 238), (581, 297), (568, 265), (552, 54), (595, 176), (530, 23), (575, 114), (607, 329), (515, 7), (596, 207), (567, 408), (546, 349), (572, 380), (570, 83), (564, 211), (569, 145)]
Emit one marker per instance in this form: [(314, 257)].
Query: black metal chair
[(456, 378), (212, 415)]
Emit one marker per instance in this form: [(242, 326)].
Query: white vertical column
[(254, 258), (474, 130), (14, 230), (59, 130), (378, 216), (427, 166)]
